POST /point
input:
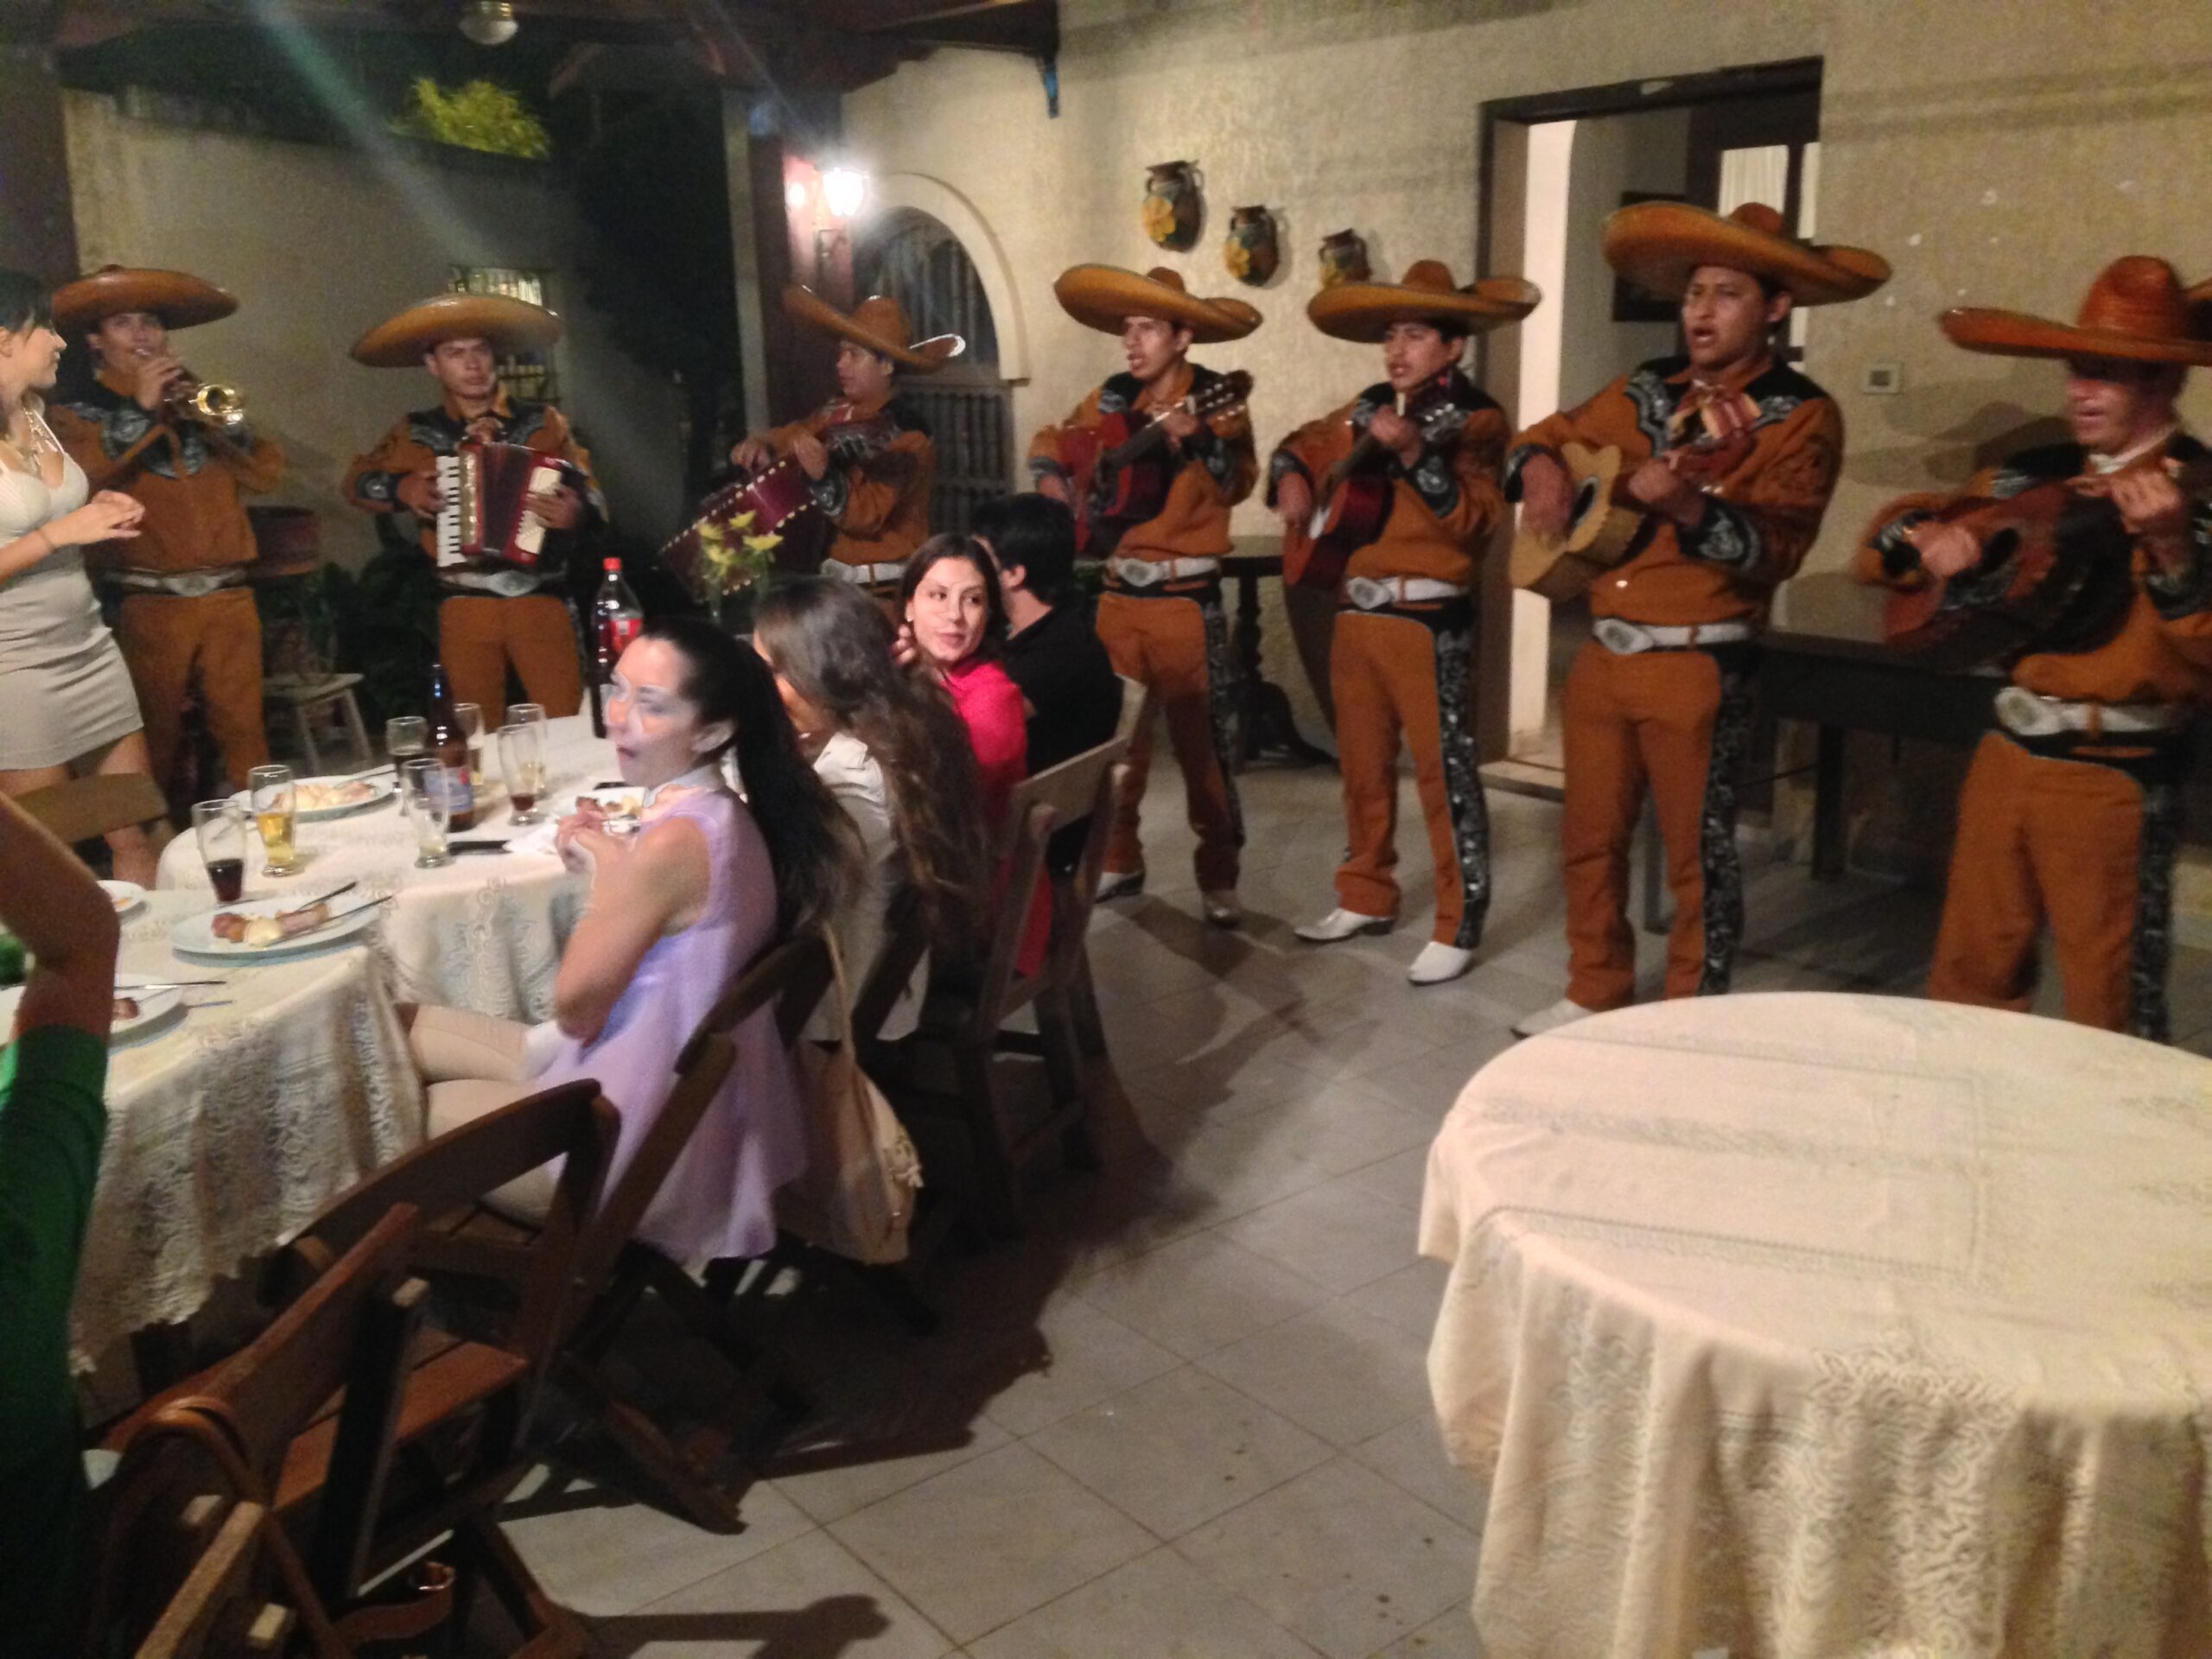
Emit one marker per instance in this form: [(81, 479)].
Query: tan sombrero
[(878, 322), (1657, 244), (509, 325), (2136, 309), (1106, 296), (1425, 294), (178, 298)]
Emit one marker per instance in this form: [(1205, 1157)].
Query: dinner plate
[(156, 1008), (195, 935), (127, 895), (381, 789)]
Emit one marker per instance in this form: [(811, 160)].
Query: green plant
[(480, 115)]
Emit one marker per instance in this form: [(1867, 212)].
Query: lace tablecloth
[(484, 932), (1832, 1324), (231, 1128)]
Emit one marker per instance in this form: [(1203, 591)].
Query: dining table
[(1796, 1324)]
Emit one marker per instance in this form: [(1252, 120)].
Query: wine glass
[(522, 761), (274, 800), (220, 827), (423, 786)]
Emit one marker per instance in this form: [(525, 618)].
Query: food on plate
[(260, 932), (324, 798), (126, 1008), (122, 901)]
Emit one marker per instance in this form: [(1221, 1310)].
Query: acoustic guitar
[(1352, 502), (1603, 524), (779, 497), (1119, 471)]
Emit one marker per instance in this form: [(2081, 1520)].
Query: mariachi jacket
[(1761, 517), (416, 441), (877, 498), (1443, 508), (190, 485), (1220, 467), (2162, 650)]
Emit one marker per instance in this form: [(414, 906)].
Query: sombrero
[(1106, 296), (1657, 244), (878, 322), (2136, 309), (178, 298), (1425, 294), (509, 325)]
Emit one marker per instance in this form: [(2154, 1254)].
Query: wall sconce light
[(795, 194), (489, 22), (843, 191)]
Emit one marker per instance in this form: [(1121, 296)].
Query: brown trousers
[(1404, 676), (164, 640), (1179, 647), (2081, 843), (479, 637), (1677, 722)]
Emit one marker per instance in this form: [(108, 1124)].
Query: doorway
[(1553, 167)]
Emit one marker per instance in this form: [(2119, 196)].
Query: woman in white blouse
[(896, 757)]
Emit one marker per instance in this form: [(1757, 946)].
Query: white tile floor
[(1186, 1416)]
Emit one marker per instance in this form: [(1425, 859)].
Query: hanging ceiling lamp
[(489, 22)]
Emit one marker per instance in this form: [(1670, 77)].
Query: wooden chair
[(229, 1432), (85, 809), (220, 1609)]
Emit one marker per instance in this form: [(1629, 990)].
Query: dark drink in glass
[(221, 828), (229, 876), (523, 802)]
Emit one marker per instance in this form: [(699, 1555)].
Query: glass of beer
[(522, 761), (220, 827), (471, 716), (275, 801), (406, 737), (532, 714), (429, 809)]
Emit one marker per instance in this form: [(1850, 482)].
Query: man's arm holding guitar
[(1535, 475), (1222, 445), (1457, 472), (1302, 460), (1760, 529), (1048, 467)]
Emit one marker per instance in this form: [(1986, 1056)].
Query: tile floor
[(1185, 1417)]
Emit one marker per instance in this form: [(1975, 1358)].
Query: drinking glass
[(423, 787), (522, 761), (471, 716), (405, 738), (273, 798), (532, 714), (220, 827)]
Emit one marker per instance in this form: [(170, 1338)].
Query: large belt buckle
[(511, 584), (2024, 713), (195, 584), (860, 576), (1368, 593), (1622, 638), (1140, 573)]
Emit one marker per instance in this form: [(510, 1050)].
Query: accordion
[(487, 494)]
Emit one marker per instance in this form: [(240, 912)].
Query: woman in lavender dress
[(676, 911)]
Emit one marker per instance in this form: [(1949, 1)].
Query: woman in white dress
[(67, 709)]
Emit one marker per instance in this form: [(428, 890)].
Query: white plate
[(155, 1008), (128, 895), (195, 936), (625, 807), (381, 788)]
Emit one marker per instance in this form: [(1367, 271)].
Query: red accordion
[(487, 494)]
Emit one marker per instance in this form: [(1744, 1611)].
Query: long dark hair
[(24, 302), (953, 545), (834, 644), (810, 844)]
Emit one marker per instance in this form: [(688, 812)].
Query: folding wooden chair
[(85, 809), (219, 1610), (229, 1432)]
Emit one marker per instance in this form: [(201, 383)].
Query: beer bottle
[(449, 743)]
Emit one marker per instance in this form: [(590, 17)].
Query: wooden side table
[(1264, 724)]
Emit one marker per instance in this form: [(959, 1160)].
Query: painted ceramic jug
[(1172, 204)]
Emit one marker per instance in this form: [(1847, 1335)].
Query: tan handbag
[(856, 1198)]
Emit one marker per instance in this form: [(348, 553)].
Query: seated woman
[(897, 759), (676, 911)]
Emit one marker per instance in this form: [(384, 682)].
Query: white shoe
[(1221, 907), (1565, 1011), (1120, 884), (1439, 962), (1342, 923)]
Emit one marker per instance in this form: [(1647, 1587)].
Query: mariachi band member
[(1734, 457), (1401, 659), (187, 611), (1160, 615), (494, 613), (2072, 805), (868, 457)]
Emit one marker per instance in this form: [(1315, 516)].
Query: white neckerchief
[(2104, 464)]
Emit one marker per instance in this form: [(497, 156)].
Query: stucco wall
[(319, 242)]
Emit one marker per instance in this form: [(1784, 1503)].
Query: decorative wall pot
[(1172, 204), (1250, 252), (1344, 258)]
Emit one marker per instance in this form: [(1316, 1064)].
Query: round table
[(232, 1124), (484, 932), (1812, 1324)]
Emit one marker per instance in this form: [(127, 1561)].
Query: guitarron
[(1119, 471)]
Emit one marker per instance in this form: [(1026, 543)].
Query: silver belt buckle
[(1369, 594), (1622, 639), (2024, 713), (196, 584), (1140, 573), (510, 584)]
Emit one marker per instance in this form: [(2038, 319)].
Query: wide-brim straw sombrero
[(1106, 296), (1365, 311), (508, 325), (177, 297), (879, 322), (1657, 244), (2136, 309)]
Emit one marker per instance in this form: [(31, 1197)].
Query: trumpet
[(208, 403)]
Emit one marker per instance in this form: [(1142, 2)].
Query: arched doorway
[(968, 404)]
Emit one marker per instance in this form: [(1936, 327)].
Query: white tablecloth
[(484, 932), (231, 1127), (1832, 1324)]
